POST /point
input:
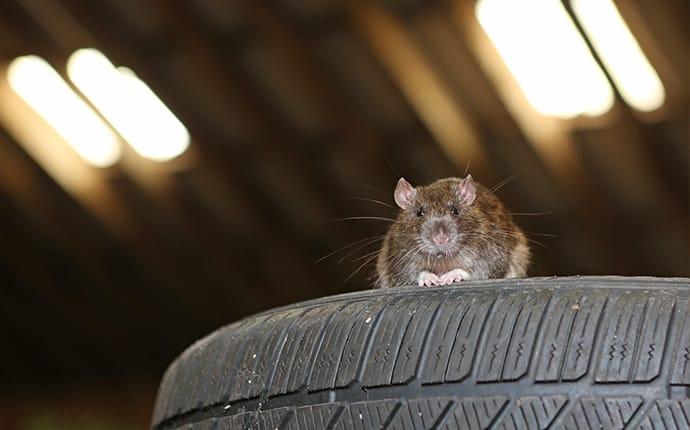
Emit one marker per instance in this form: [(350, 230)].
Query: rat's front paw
[(428, 279), (453, 276)]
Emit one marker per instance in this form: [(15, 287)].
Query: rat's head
[(438, 214)]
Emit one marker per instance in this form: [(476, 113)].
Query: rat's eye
[(420, 212), (454, 210)]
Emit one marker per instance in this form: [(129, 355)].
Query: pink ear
[(467, 190), (404, 194)]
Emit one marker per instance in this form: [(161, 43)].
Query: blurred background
[(170, 166)]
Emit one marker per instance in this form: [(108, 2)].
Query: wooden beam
[(277, 165), (427, 92), (661, 30), (171, 229), (548, 135), (361, 147), (89, 185), (277, 174)]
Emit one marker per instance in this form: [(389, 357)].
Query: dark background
[(300, 112)]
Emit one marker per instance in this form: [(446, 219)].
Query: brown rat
[(451, 230)]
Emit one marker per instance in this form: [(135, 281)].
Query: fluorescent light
[(548, 57), (129, 105), (630, 70), (42, 88)]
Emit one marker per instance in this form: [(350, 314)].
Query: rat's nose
[(439, 234), (440, 238)]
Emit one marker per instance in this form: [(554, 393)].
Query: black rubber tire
[(563, 353)]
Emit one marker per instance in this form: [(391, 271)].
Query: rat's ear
[(467, 190), (404, 194)]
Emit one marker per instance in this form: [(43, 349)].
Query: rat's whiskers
[(355, 243), (506, 181), (364, 245), (367, 255), (360, 218), (367, 199), (368, 260)]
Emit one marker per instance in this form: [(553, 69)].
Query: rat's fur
[(484, 241)]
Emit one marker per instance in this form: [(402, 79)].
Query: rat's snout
[(440, 237), (439, 232)]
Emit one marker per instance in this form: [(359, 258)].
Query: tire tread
[(580, 353)]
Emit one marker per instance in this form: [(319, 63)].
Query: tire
[(562, 353)]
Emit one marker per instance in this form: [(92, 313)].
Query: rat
[(449, 231)]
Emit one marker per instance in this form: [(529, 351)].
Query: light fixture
[(634, 76), (130, 106), (44, 90), (549, 59)]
